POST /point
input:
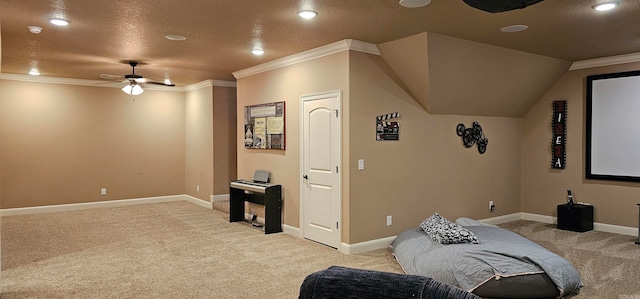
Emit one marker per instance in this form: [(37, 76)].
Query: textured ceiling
[(220, 33)]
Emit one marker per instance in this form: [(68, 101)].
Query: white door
[(320, 200)]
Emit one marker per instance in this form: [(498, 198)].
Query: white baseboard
[(291, 230), (502, 219), (601, 227), (90, 205), (198, 201), (344, 247), (539, 218), (220, 197), (366, 245), (384, 242), (616, 229)]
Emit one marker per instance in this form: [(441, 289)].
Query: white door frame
[(310, 97)]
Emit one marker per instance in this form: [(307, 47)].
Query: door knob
[(305, 177)]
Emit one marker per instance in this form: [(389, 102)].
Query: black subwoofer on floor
[(575, 217)]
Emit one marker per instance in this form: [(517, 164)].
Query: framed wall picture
[(264, 126), (559, 133)]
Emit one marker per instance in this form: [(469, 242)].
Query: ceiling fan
[(134, 81)]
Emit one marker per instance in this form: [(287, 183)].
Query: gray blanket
[(501, 253)]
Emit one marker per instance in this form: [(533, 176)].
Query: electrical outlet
[(197, 188), (103, 191), (389, 220), (491, 205)]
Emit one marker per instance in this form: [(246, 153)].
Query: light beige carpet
[(180, 250), (168, 250), (609, 264)]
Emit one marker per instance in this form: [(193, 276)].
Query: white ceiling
[(104, 35)]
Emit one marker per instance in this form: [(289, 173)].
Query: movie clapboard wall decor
[(559, 128), (385, 129)]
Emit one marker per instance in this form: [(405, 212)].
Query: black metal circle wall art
[(473, 135)]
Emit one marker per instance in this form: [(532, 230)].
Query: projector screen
[(613, 127)]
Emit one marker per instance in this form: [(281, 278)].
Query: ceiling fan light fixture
[(137, 89), (59, 22), (605, 6), (133, 89)]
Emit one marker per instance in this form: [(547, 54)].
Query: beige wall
[(224, 138), (427, 171), (61, 144), (286, 84), (210, 153), (199, 142), (544, 188)]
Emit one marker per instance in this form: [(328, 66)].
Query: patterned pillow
[(431, 225), (444, 231)]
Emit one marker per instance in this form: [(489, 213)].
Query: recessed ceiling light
[(257, 52), (414, 3), (175, 37), (307, 14), (34, 29), (34, 72), (514, 28), (606, 6), (59, 22)]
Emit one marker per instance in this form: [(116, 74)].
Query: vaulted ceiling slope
[(447, 75)]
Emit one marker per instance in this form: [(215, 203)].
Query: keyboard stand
[(268, 195)]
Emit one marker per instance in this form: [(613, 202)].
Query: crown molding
[(81, 82), (605, 61), (210, 83), (222, 83), (199, 85), (56, 80), (343, 45)]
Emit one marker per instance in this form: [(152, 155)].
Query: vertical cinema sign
[(559, 127)]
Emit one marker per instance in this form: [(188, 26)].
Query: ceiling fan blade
[(160, 83), (111, 77), (133, 78)]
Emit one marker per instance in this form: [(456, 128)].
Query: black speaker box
[(494, 6)]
